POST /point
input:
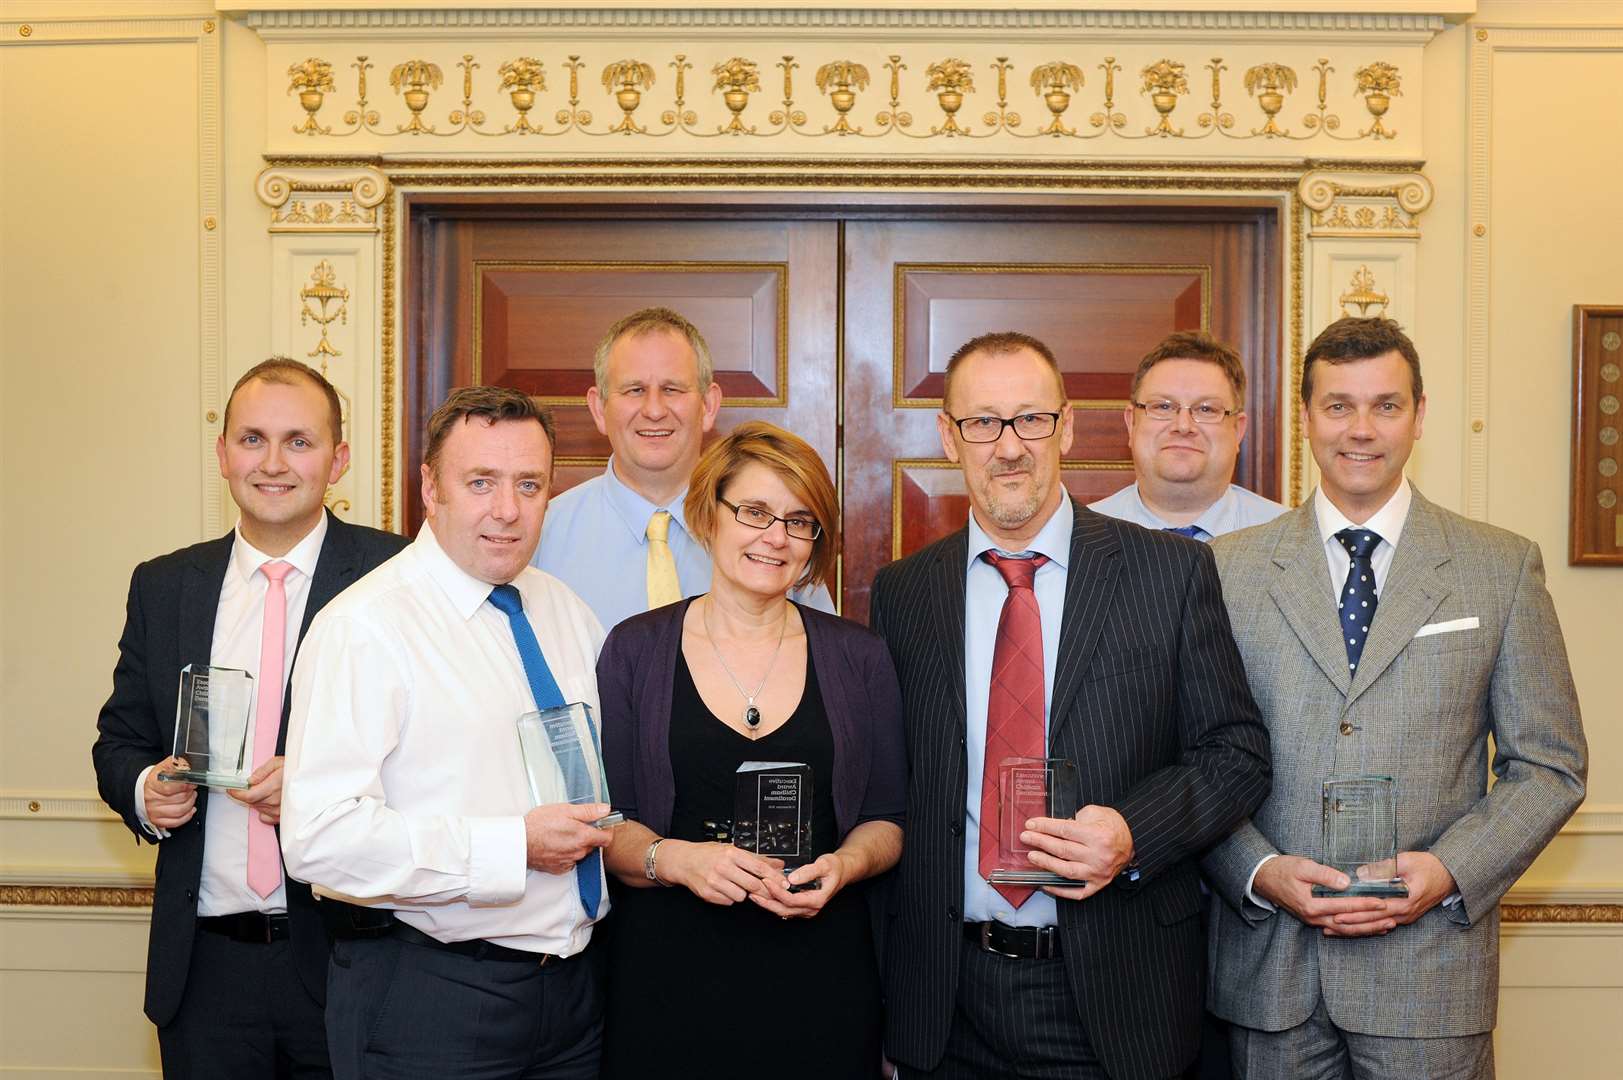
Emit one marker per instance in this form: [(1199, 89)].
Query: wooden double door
[(836, 322)]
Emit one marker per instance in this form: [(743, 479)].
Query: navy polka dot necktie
[(1192, 532), (1358, 601)]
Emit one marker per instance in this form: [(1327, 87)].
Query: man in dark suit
[(237, 959), (1044, 629)]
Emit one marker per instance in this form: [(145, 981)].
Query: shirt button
[(1346, 728)]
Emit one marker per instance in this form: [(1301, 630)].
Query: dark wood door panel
[(1099, 292), (523, 303)]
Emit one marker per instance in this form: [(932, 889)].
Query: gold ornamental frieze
[(1255, 96), (322, 200), (1366, 207)]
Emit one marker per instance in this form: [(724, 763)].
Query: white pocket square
[(1470, 623)]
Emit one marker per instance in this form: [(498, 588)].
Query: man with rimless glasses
[(1185, 422)]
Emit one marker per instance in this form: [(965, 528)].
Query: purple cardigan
[(636, 674)]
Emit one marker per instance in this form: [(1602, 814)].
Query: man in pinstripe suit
[(1384, 635), (1140, 686)]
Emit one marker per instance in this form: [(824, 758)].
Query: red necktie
[(264, 860), (1014, 708)]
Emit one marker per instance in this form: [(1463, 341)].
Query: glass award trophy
[(1028, 788), (214, 731), (561, 758), (1361, 836), (772, 812)]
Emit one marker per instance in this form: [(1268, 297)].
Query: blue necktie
[(1357, 602), (1191, 531), (544, 688)]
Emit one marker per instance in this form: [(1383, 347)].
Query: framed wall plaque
[(1596, 525)]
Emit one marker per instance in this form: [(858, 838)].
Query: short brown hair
[(999, 344), (491, 404), (796, 464), (286, 371), (1195, 345), (647, 321), (1349, 339)]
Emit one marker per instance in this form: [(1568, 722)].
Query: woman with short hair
[(722, 959)]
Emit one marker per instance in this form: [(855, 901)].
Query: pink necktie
[(264, 860)]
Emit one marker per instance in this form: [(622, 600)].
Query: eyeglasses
[(1201, 412), (989, 429), (798, 527)]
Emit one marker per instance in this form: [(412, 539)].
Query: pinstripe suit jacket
[(1150, 701), (1420, 710)]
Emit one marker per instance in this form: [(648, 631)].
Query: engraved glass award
[(772, 811), (1028, 788), (1361, 836), (561, 759), (214, 731)]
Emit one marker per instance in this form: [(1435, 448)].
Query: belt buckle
[(986, 942)]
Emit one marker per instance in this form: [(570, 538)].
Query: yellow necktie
[(663, 587)]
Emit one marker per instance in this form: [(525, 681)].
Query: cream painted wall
[(99, 294)]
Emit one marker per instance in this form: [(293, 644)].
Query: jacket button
[(952, 914), (190, 895), (1346, 727), (956, 828)]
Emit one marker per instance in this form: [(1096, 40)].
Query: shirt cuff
[(496, 862), (141, 807), (1250, 894), (1451, 899)]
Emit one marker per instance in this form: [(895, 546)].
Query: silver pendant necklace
[(752, 715)]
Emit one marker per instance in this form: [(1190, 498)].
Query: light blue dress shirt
[(984, 594), (595, 540), (1237, 509)]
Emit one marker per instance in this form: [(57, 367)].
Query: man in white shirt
[(406, 787), (620, 540), (1185, 422), (1384, 636), (237, 965)]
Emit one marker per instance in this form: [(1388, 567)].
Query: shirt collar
[(1387, 522), (1052, 540), (462, 589), (633, 510), (247, 559), (1213, 521)]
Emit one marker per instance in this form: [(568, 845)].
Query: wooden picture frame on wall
[(1595, 529)]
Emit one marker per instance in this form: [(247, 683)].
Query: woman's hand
[(716, 873), (831, 872)]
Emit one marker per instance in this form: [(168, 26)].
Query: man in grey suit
[(1384, 635)]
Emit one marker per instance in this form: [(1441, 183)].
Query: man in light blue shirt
[(618, 539), (1185, 422)]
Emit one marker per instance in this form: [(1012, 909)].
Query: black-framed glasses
[(801, 528), (989, 429), (1201, 412)]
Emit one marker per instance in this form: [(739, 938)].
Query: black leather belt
[(477, 949), (1020, 942), (253, 927)]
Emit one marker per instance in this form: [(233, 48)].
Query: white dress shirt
[(985, 591), (1235, 509), (238, 623), (405, 784), (595, 540)]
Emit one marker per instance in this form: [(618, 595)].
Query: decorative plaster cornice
[(272, 24)]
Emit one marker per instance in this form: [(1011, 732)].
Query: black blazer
[(1150, 700), (169, 623)]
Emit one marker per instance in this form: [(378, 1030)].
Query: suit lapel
[(1410, 595), (1304, 597), (200, 589), (336, 570), (947, 594), (1090, 587)]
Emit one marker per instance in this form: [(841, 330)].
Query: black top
[(727, 988)]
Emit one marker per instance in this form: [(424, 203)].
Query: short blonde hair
[(795, 463), (652, 320)]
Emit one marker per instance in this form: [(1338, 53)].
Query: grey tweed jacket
[(1420, 709)]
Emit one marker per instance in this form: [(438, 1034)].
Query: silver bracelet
[(648, 862)]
